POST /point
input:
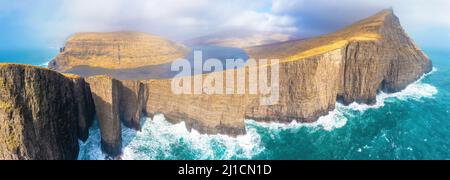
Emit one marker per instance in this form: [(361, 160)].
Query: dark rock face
[(376, 54), (115, 102), (389, 65), (308, 90), (133, 97), (42, 112), (85, 104), (105, 94), (208, 114), (38, 116)]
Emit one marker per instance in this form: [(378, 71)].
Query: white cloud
[(177, 19), (262, 22), (414, 12), (424, 20), (184, 19)]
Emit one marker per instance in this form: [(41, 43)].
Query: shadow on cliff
[(132, 111), (120, 121)]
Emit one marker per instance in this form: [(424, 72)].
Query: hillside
[(116, 50)]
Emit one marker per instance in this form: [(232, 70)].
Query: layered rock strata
[(117, 102), (116, 50), (42, 111), (85, 105), (133, 98), (106, 98), (351, 65), (38, 114)]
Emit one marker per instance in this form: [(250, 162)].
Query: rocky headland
[(116, 50), (43, 112)]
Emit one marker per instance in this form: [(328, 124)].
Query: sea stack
[(43, 112), (350, 65), (105, 92)]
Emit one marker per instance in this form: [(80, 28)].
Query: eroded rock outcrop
[(209, 114), (38, 116), (105, 92), (351, 65), (85, 105), (117, 102), (133, 98)]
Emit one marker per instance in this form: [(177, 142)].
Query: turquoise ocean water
[(412, 124)]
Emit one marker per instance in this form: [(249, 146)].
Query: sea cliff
[(43, 112)]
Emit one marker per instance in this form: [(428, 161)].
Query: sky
[(37, 23)]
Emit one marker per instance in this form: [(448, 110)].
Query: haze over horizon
[(37, 23)]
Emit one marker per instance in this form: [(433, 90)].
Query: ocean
[(411, 124)]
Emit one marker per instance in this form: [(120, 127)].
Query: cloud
[(267, 22), (322, 16), (177, 19), (424, 20), (55, 20)]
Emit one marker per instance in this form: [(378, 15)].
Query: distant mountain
[(241, 39)]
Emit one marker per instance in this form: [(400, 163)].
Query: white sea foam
[(415, 91), (160, 139), (90, 150), (335, 119), (161, 135)]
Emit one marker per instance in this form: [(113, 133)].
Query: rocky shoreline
[(43, 112)]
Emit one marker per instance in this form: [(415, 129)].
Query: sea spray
[(335, 119), (339, 117), (167, 140), (415, 91), (159, 139)]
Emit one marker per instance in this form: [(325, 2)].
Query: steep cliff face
[(85, 105), (117, 50), (210, 114), (117, 102), (133, 98), (106, 98), (390, 64), (38, 116), (308, 90), (42, 112), (351, 65)]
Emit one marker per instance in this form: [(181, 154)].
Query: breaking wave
[(338, 118), (159, 139), (335, 119), (415, 91)]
